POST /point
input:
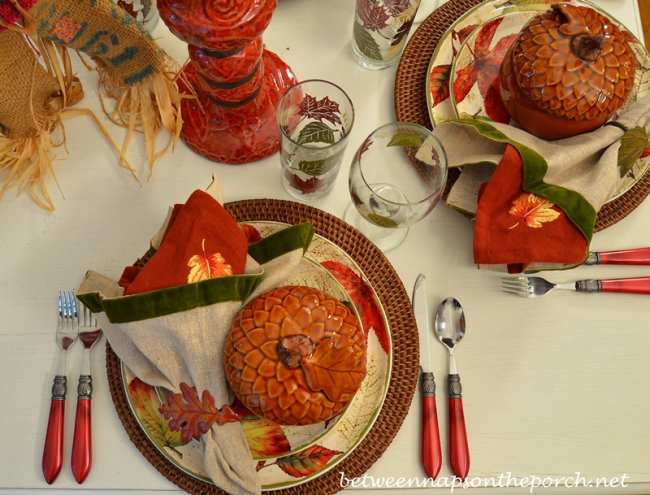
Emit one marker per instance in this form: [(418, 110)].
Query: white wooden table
[(552, 386)]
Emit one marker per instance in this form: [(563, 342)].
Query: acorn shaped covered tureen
[(296, 356), (567, 72)]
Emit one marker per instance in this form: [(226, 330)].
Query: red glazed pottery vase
[(237, 81)]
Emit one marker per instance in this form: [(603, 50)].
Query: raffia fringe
[(146, 107), (28, 160)]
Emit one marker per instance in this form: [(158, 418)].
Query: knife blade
[(431, 451)]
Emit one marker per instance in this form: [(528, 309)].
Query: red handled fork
[(66, 335), (89, 334)]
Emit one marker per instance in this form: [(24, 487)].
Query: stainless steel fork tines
[(89, 334), (67, 331), (537, 286)]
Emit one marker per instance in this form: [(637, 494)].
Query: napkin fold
[(568, 179), (170, 325)]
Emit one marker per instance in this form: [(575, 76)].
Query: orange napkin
[(202, 240), (517, 228)]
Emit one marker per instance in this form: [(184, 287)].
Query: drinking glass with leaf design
[(380, 30), (315, 119), (397, 176)]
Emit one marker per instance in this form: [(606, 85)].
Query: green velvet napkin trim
[(577, 208), (163, 302), (138, 307), (284, 241)]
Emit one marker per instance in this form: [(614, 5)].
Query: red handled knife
[(431, 453)]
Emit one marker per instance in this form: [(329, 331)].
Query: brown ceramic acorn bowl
[(567, 72), (295, 356)]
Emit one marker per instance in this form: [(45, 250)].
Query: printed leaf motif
[(364, 147), (373, 15), (366, 42), (382, 221), (252, 235), (402, 32), (306, 461), (462, 35), (646, 152), (337, 371), (204, 267), (316, 132), (439, 83), (323, 109), (405, 138), (396, 7), (129, 7), (146, 7), (313, 167), (484, 71), (633, 146), (265, 438), (192, 416), (146, 403), (364, 299), (307, 186), (534, 210), (365, 403), (319, 167)]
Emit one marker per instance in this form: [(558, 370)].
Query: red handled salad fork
[(89, 334), (66, 335)]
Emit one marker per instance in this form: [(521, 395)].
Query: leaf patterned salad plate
[(463, 73), (286, 456)]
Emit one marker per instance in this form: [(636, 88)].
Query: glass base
[(384, 238), (370, 63)]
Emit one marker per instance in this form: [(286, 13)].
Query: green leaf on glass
[(316, 132), (405, 138), (366, 42), (382, 221), (319, 167)]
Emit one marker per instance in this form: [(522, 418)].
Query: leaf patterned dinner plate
[(463, 72), (286, 456)]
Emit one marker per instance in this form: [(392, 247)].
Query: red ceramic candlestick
[(237, 81)]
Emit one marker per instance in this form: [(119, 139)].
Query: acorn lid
[(574, 63)]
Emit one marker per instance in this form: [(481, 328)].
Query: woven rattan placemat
[(411, 100), (405, 350)]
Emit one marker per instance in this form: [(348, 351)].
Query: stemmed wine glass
[(396, 178)]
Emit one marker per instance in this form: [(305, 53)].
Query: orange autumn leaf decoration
[(534, 210), (265, 438), (303, 463), (194, 416), (147, 405), (204, 267)]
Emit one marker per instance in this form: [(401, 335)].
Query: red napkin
[(517, 228), (202, 240)]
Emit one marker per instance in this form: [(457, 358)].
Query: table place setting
[(270, 315)]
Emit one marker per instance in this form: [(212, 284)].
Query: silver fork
[(67, 331), (537, 286), (82, 443)]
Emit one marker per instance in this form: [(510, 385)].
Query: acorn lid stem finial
[(587, 47)]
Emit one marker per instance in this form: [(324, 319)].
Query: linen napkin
[(173, 333), (567, 181)]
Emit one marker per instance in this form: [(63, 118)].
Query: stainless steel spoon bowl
[(450, 328)]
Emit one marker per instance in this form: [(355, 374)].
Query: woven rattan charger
[(405, 350), (411, 100)]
